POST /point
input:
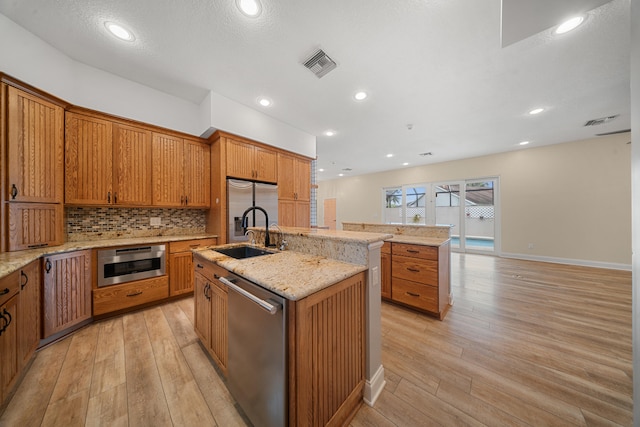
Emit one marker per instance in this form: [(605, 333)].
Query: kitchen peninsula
[(331, 282)]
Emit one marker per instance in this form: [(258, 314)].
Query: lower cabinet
[(181, 265), (9, 367), (120, 297), (29, 312), (66, 291)]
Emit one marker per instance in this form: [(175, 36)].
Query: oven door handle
[(271, 308)]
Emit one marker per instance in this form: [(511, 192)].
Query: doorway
[(330, 213)]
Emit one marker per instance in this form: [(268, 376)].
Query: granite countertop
[(416, 240), (13, 261), (338, 235), (292, 275)]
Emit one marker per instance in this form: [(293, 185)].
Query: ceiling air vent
[(600, 121), (428, 153), (320, 63), (347, 169)]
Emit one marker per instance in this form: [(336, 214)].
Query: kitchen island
[(331, 284)]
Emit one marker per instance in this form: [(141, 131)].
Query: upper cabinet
[(181, 172), (247, 161), (294, 191), (132, 165), (35, 148)]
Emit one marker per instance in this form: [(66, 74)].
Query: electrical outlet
[(155, 220), (530, 245), (375, 276)]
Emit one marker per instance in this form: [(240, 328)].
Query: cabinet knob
[(109, 197), (47, 266), (14, 191)]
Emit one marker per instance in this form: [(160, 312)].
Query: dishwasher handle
[(271, 308)]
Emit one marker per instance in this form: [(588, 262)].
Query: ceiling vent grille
[(320, 63), (601, 120)]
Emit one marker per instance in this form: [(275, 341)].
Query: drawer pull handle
[(415, 270), (194, 246), (47, 266), (14, 191), (199, 265), (135, 294), (39, 245), (4, 291), (413, 251), (411, 294), (26, 280)]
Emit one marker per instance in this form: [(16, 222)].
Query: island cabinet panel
[(10, 366), (327, 359), (248, 161), (66, 291), (35, 136), (88, 160), (35, 225), (385, 270), (181, 264), (132, 154), (29, 312), (114, 298), (181, 172), (202, 309)]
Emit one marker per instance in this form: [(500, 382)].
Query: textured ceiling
[(435, 64)]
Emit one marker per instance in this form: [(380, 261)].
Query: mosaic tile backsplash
[(89, 223)]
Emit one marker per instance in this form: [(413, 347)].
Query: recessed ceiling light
[(340, 174), (524, 143), (250, 8), (405, 164), (119, 31), (320, 170), (330, 133), (389, 155), (360, 96), (536, 111), (569, 24), (265, 102)]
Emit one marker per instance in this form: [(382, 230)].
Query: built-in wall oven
[(127, 264)]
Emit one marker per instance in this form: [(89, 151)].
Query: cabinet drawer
[(118, 297), (415, 294), (187, 245), (210, 271), (416, 251), (414, 269), (9, 286), (386, 248)]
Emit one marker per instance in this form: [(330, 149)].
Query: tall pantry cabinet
[(32, 148)]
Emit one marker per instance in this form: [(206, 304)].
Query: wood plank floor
[(525, 344)]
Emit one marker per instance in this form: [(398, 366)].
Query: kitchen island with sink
[(319, 302)]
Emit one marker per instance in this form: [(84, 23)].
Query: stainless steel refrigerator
[(244, 194)]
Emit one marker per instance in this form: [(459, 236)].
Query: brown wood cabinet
[(181, 264), (252, 162), (107, 163), (385, 270), (9, 368), (35, 148), (294, 191), (420, 277), (35, 225), (114, 298), (66, 291), (211, 310), (29, 312), (181, 172)]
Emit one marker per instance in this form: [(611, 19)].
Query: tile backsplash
[(89, 223)]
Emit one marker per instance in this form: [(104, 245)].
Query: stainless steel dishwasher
[(257, 364)]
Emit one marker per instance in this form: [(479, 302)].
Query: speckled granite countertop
[(415, 240), (12, 261), (290, 274)]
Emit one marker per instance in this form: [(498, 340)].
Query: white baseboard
[(584, 263), (373, 387)]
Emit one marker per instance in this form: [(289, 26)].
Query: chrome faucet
[(253, 236), (245, 222), (283, 243)]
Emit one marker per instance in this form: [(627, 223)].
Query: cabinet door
[(29, 312), (67, 291), (88, 160), (197, 172), (202, 308), (168, 171), (8, 345), (266, 165), (132, 164), (286, 176), (302, 180), (219, 323), (385, 275), (35, 148), (33, 225), (180, 273), (303, 214), (240, 162), (286, 213)]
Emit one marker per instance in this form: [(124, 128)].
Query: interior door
[(330, 213)]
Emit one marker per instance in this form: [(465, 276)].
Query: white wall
[(572, 200), (30, 59)]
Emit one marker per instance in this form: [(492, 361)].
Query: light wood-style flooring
[(525, 344)]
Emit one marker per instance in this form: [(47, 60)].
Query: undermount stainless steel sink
[(241, 252)]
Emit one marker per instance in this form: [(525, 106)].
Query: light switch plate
[(155, 220)]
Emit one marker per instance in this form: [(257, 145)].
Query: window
[(405, 205)]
